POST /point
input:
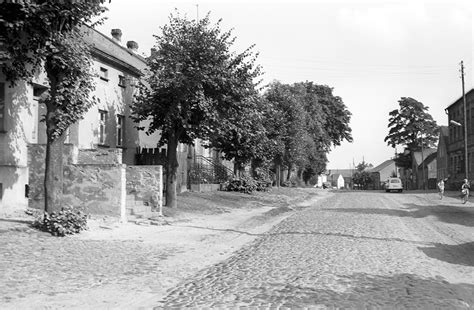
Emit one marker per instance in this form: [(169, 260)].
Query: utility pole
[(197, 12), (466, 164)]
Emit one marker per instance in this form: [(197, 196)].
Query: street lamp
[(465, 146)]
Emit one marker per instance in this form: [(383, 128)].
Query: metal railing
[(205, 170)]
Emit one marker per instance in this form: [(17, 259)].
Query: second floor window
[(120, 129), (104, 74), (121, 82), (102, 126)]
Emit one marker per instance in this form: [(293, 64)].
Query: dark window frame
[(104, 74)]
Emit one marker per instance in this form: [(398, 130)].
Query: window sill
[(103, 145), (123, 86), (104, 79)]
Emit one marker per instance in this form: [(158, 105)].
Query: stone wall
[(145, 183), (36, 165), (100, 156), (97, 188)]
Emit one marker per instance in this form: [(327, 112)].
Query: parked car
[(394, 184)]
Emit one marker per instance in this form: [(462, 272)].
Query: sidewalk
[(129, 265)]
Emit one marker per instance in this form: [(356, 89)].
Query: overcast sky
[(371, 52)]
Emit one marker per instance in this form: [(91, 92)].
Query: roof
[(426, 152), (459, 99), (382, 166), (346, 173), (443, 131), (429, 159), (108, 50)]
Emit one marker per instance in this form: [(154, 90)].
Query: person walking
[(465, 190), (441, 185)]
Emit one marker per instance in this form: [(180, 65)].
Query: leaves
[(195, 87), (411, 125)]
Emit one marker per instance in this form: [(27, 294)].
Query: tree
[(45, 34), (411, 126), (362, 176), (307, 121), (245, 142), (195, 87)]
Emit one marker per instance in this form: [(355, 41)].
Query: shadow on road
[(459, 254), (364, 291), (446, 213)]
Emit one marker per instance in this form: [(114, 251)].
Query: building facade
[(442, 153), (455, 145), (106, 125)]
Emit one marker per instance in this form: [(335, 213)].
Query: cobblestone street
[(353, 250), (349, 250)]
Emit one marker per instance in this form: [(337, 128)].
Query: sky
[(371, 53)]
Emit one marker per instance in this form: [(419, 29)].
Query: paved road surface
[(353, 250)]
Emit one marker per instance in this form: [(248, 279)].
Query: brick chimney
[(132, 46), (116, 34)]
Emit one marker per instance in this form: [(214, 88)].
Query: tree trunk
[(53, 174), (289, 172), (172, 170)]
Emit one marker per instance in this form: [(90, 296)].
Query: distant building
[(381, 173), (335, 176), (429, 168), (425, 157)]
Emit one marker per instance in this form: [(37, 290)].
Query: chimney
[(116, 34), (132, 46)]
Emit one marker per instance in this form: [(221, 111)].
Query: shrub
[(264, 179), (68, 221), (243, 185)]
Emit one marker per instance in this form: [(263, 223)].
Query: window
[(2, 107), (104, 74), (120, 129), (121, 81), (102, 126)]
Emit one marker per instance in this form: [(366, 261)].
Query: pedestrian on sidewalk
[(441, 185), (465, 190)]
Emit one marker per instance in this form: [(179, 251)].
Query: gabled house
[(341, 178), (382, 172), (419, 172), (442, 153), (429, 168)]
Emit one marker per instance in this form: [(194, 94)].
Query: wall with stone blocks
[(100, 156), (145, 183), (36, 165), (98, 188)]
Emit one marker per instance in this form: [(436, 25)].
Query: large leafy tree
[(196, 85), (411, 125), (310, 119), (290, 131), (45, 34), (246, 142)]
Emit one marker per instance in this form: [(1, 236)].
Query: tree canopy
[(411, 125), (306, 120), (197, 87)]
